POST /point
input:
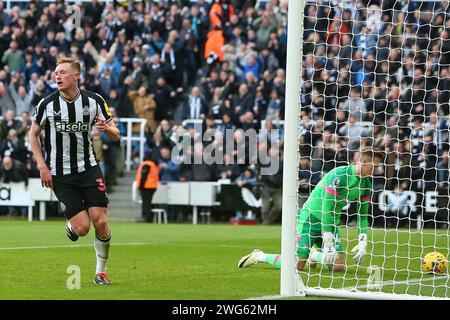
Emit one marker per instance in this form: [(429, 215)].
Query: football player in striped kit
[(70, 168)]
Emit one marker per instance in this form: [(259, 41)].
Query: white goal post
[(393, 265), (292, 111)]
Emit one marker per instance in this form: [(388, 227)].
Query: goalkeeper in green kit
[(319, 218)]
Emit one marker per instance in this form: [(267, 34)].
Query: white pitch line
[(67, 246), (124, 244), (265, 298)]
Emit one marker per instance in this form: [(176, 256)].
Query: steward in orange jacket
[(147, 176), (220, 13), (147, 180), (214, 45)]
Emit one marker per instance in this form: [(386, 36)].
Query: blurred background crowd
[(375, 74)]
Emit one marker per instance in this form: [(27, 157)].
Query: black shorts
[(81, 191)]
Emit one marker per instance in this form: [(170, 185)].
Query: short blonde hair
[(75, 64)]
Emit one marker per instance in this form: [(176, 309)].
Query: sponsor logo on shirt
[(71, 127)]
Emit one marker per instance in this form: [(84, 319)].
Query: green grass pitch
[(183, 261)]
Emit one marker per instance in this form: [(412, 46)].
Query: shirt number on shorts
[(101, 185)]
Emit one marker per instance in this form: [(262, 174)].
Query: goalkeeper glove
[(360, 248), (329, 250)]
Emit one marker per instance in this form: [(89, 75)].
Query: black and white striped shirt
[(68, 126)]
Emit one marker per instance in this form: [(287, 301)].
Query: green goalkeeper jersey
[(338, 188)]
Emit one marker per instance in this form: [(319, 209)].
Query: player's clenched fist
[(100, 124)]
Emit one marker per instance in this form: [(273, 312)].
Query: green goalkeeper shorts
[(309, 233)]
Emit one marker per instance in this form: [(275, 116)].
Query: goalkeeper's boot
[(250, 259), (70, 233), (102, 279)]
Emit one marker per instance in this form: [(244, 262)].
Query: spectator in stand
[(355, 105), (228, 169), (209, 83), (155, 70), (6, 101), (264, 25), (21, 98), (156, 43), (307, 180), (31, 65), (274, 106), (93, 11), (14, 147), (271, 195), (247, 121), (249, 181), (165, 98), (352, 132), (8, 123), (417, 135), (25, 125), (244, 53), (230, 54), (13, 57), (279, 82), (168, 172), (188, 35), (443, 168), (195, 107), (12, 170), (172, 59), (32, 84), (193, 170), (144, 106), (242, 102), (268, 60), (40, 91), (253, 66), (137, 78), (166, 131)]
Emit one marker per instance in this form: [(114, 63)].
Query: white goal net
[(375, 75)]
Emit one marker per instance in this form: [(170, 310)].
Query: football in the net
[(434, 262)]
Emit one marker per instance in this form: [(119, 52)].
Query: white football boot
[(250, 259)]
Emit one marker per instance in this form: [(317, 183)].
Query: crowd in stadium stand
[(385, 65), (165, 61), (373, 75)]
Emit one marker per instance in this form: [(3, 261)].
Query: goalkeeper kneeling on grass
[(319, 218)]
